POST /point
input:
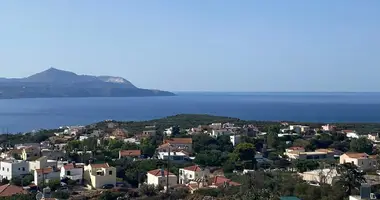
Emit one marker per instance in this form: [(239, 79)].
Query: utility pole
[(167, 176)]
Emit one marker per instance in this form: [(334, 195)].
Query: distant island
[(58, 83)]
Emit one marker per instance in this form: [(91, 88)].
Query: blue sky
[(198, 45)]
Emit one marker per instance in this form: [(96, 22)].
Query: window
[(98, 173), (68, 173), (23, 169), (19, 169), (3, 169), (7, 169), (191, 176), (110, 172)]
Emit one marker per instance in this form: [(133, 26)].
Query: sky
[(198, 45)]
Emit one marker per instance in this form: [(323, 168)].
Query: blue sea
[(20, 115)]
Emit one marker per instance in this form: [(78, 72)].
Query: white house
[(235, 139), (158, 177), (13, 168), (72, 171), (320, 176), (174, 156), (168, 131), (299, 128), (361, 160), (45, 174), (193, 173), (352, 135), (219, 132)]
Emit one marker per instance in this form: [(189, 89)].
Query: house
[(294, 153), (299, 128), (328, 127), (180, 143), (30, 153), (41, 163), (235, 139), (72, 171), (13, 168), (149, 132), (25, 145), (175, 155), (52, 154), (193, 173), (168, 131), (220, 181), (98, 175), (320, 176), (134, 140), (219, 132), (361, 160), (374, 137), (45, 175), (336, 153), (216, 126), (158, 177), (119, 134), (9, 190), (129, 154)]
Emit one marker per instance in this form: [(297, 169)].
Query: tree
[(243, 152), (244, 156), (350, 177), (148, 190), (175, 131), (361, 145), (302, 143), (272, 140)]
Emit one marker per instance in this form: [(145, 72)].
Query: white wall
[(9, 170)]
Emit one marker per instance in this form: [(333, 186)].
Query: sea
[(23, 115)]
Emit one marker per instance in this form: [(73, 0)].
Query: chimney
[(365, 191)]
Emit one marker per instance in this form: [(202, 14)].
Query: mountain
[(58, 83)]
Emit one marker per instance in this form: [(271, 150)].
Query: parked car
[(107, 186)]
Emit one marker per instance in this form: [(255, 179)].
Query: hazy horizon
[(217, 46)]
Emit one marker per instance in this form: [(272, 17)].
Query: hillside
[(58, 83)]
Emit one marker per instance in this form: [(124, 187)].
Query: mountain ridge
[(59, 83)]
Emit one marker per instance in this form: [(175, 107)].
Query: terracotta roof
[(45, 170), (349, 131), (296, 148), (163, 146), (356, 155), (102, 165), (194, 168), (71, 166), (220, 180), (158, 172), (10, 190), (126, 153), (179, 141), (324, 150)]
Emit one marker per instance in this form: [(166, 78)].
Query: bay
[(20, 115)]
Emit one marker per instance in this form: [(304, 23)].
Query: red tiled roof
[(69, 166), (45, 170), (356, 155), (179, 141), (126, 153), (102, 165), (220, 180), (158, 172), (10, 190), (194, 168)]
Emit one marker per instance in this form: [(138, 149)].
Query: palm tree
[(350, 177)]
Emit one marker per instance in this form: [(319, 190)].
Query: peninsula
[(58, 83)]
